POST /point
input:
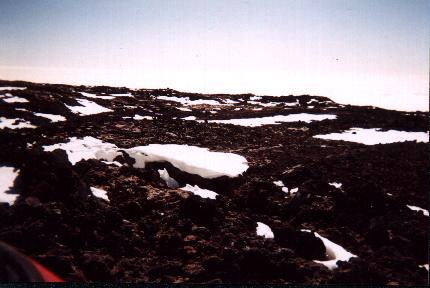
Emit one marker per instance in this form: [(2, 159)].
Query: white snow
[(140, 117), (191, 159), (294, 190), (7, 179), (229, 101), (297, 103), (187, 101), (184, 109), (213, 112), (171, 183), (116, 163), (189, 118), (86, 148), (335, 184), (12, 88), (264, 230), (255, 98), (425, 266), (88, 108), (90, 95), (415, 208), (100, 193), (255, 122), (374, 136), (270, 104), (10, 123), (122, 95), (52, 117), (279, 183), (312, 100), (334, 252), (283, 187), (15, 99), (204, 193)]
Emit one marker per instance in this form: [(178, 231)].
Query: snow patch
[(204, 193), (335, 184), (88, 108), (52, 117), (7, 179), (184, 109), (189, 118), (334, 252), (100, 193), (140, 117), (255, 122), (11, 123), (12, 88), (264, 230), (418, 209), (15, 99), (191, 159), (116, 163), (90, 95), (375, 136), (86, 148), (171, 183), (187, 101), (425, 266)]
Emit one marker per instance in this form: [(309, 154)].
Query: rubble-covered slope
[(250, 192)]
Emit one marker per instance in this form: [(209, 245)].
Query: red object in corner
[(47, 275)]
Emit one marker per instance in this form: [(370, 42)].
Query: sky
[(361, 52)]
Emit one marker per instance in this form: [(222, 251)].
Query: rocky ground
[(148, 232)]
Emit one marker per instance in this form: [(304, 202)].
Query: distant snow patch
[(116, 163), (187, 101), (140, 117), (264, 230), (12, 88), (255, 122), (375, 136), (171, 183), (122, 94), (100, 193), (335, 184), (297, 103), (52, 117), (189, 118), (294, 190), (279, 183), (90, 95), (7, 179), (415, 208), (334, 252), (425, 266), (15, 99), (87, 108), (312, 101), (14, 123), (284, 188), (204, 193), (184, 109)]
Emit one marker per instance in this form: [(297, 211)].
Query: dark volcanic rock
[(148, 232)]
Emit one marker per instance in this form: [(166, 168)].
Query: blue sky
[(359, 52)]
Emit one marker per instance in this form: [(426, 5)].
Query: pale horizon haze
[(361, 52)]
